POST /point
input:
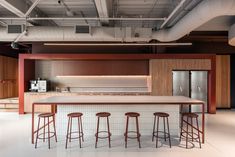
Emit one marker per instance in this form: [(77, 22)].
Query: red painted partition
[(26, 65)]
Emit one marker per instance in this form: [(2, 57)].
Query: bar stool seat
[(44, 115), (103, 115), (132, 114), (161, 114), (156, 132), (75, 114), (137, 132), (46, 134), (69, 134), (190, 135), (191, 115)]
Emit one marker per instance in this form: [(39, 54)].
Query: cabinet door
[(8, 77), (32, 97), (27, 102), (10, 68)]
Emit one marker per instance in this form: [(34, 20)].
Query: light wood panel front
[(1, 78), (223, 81), (161, 72)]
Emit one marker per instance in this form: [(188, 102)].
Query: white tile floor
[(15, 141)]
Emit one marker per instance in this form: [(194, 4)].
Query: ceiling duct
[(231, 35), (203, 12), (106, 34)]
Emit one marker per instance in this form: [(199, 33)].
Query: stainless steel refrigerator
[(191, 84)]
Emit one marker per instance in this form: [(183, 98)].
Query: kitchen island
[(124, 103)]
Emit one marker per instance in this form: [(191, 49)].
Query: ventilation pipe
[(106, 34), (231, 35), (203, 12)]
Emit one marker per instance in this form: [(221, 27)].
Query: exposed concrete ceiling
[(23, 9), (109, 13)]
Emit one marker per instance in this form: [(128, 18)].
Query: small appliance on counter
[(65, 89), (42, 85), (38, 85), (33, 86)]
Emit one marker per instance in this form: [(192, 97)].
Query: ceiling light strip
[(117, 44), (103, 76)]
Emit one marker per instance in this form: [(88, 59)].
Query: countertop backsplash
[(93, 83)]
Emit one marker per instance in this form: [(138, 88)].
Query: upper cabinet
[(100, 67)]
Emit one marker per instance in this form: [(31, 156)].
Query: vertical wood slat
[(223, 81), (1, 77), (8, 77)]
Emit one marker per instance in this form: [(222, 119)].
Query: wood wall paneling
[(161, 72), (101, 67), (223, 81), (1, 77), (56, 68), (8, 77)]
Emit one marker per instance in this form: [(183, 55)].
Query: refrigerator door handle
[(181, 89), (199, 88)]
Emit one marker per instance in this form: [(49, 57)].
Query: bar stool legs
[(104, 115), (127, 124), (138, 131), (135, 115), (80, 136), (109, 132), (38, 132), (165, 122), (198, 132), (168, 131), (50, 134), (97, 130), (189, 135)]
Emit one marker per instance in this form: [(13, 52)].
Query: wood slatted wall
[(223, 81), (8, 77)]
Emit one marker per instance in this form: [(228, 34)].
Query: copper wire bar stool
[(70, 132), (103, 115), (137, 132), (46, 134), (155, 133), (190, 134)]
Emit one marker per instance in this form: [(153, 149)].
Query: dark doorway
[(232, 83)]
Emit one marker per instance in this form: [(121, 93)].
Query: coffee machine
[(38, 85), (42, 85), (33, 86)]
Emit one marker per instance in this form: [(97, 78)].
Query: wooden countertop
[(118, 100)]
